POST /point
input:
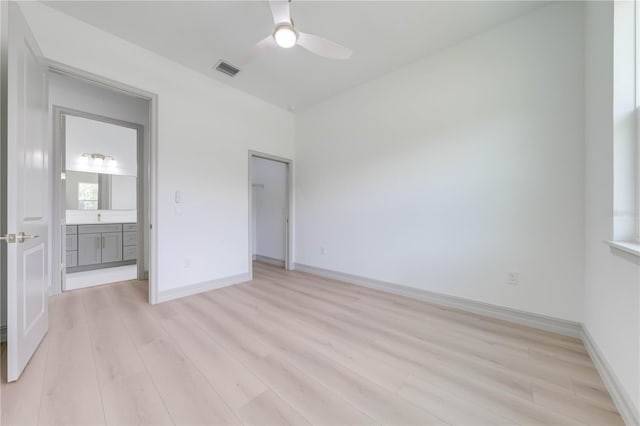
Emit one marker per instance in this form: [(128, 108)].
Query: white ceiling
[(384, 35)]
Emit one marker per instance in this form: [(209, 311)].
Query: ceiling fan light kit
[(285, 36)]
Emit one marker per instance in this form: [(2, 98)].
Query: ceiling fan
[(285, 35)]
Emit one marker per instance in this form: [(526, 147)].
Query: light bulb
[(97, 161), (285, 36)]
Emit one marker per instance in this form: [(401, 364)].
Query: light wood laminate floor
[(290, 348)]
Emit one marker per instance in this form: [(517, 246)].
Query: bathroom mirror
[(101, 162), (100, 191)]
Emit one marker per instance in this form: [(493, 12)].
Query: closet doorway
[(269, 208)]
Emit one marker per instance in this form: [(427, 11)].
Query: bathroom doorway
[(101, 196), (100, 203)]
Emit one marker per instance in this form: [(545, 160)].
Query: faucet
[(99, 217)]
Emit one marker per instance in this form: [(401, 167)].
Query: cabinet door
[(129, 253), (129, 238), (111, 247), (72, 242), (89, 249), (72, 259)]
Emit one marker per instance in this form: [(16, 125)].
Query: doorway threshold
[(86, 279)]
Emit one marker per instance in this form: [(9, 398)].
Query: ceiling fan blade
[(280, 11), (258, 51), (323, 47)]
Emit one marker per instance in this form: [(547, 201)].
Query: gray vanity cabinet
[(97, 246)]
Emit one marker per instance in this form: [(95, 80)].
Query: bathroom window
[(87, 196)]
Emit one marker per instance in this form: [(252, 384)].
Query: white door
[(28, 218)]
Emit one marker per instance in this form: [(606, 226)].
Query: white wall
[(612, 279), (123, 192), (205, 130), (69, 92), (91, 136), (269, 180), (450, 173)]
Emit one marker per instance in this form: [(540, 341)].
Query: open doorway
[(270, 197), (101, 200)]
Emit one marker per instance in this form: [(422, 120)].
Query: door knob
[(9, 238), (22, 237)]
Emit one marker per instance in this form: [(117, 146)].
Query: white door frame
[(59, 190), (150, 166), (288, 238)]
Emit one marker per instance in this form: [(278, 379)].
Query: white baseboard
[(165, 296), (619, 395), (269, 260), (564, 327)]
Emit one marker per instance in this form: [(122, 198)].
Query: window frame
[(88, 200), (636, 193)]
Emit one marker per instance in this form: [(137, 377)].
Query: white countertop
[(93, 217), (96, 223)]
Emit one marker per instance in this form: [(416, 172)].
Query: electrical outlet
[(187, 262), (513, 278), (323, 251)]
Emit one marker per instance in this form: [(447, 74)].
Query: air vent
[(227, 69)]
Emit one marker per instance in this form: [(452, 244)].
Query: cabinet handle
[(103, 241), (98, 242)]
